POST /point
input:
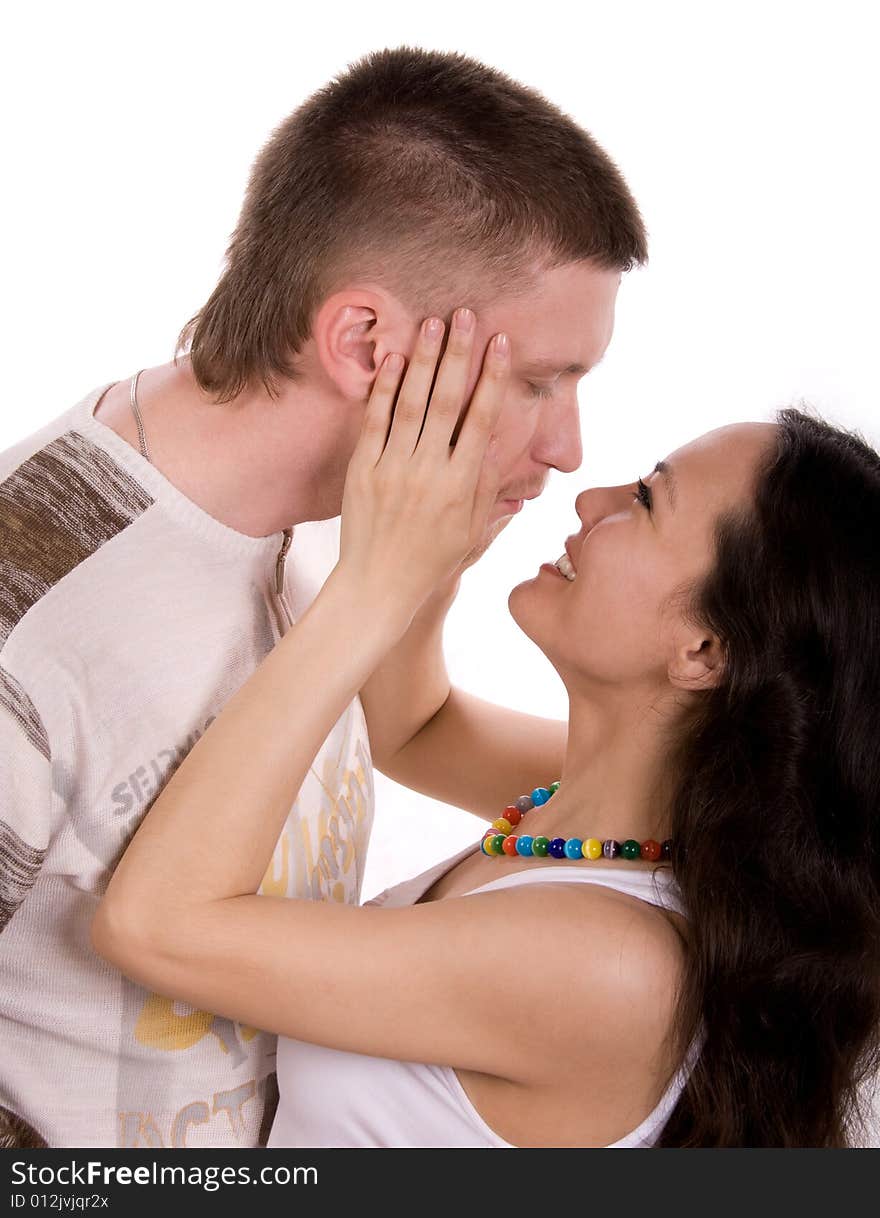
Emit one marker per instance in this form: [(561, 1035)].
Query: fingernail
[(432, 328), (394, 362), (501, 343), (463, 321)]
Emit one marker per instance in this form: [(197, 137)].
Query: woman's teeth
[(563, 565)]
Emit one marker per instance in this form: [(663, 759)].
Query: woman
[(715, 626)]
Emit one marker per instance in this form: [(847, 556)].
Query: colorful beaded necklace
[(500, 838)]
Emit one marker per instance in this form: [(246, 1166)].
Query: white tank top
[(328, 1097)]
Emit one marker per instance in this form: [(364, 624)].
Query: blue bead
[(524, 845), (611, 848), (540, 795), (524, 803), (573, 848), (557, 848)]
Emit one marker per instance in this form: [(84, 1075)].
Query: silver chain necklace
[(142, 438)]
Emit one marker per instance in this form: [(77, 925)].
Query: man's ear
[(697, 660), (353, 331)]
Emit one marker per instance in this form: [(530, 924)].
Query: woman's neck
[(616, 780)]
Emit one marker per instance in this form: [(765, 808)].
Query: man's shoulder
[(62, 497), (17, 454)]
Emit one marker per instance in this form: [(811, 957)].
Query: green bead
[(631, 849), (540, 846), (497, 843), (553, 788)]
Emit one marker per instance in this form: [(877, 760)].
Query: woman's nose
[(594, 504)]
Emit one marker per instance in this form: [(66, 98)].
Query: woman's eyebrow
[(663, 467)]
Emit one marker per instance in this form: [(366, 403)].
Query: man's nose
[(559, 438)]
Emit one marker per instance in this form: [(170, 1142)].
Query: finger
[(448, 394), (377, 416), (485, 406), (412, 401)]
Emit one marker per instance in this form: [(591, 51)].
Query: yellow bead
[(592, 848), (501, 825)]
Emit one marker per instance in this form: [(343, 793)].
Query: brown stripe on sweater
[(56, 509), (19, 867), (16, 1132), (15, 700)]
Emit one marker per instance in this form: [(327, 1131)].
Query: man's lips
[(511, 497), (514, 504)]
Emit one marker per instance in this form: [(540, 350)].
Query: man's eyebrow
[(663, 467), (546, 365)]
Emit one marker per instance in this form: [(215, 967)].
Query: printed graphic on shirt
[(56, 509), (323, 856), (320, 855), (242, 1114), (110, 826)]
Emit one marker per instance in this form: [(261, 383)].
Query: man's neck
[(256, 464)]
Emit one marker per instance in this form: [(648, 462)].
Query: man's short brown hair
[(432, 174)]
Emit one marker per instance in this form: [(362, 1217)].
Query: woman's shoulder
[(595, 1005), (632, 949), (628, 957), (617, 959), (525, 938)]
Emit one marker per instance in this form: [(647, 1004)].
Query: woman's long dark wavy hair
[(776, 821)]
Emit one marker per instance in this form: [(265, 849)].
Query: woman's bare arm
[(418, 721)]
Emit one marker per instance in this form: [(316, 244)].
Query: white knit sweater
[(128, 617)]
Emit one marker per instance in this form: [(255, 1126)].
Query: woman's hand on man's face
[(415, 505)]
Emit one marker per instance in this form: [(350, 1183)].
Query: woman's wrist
[(371, 613)]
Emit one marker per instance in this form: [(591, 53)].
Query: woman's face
[(618, 622)]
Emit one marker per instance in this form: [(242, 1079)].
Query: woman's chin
[(526, 608), (546, 578), (518, 592)]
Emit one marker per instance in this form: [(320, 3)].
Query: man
[(160, 536)]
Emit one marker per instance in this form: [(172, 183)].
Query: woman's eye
[(643, 495), (540, 391)]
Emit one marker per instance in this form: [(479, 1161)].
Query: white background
[(746, 131)]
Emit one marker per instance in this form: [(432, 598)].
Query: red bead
[(509, 846), (651, 850), (512, 814)]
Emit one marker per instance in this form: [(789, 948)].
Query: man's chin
[(494, 527)]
